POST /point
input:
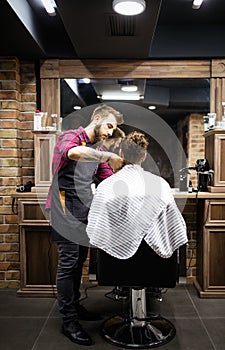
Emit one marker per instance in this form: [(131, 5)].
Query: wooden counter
[(201, 195), (38, 254), (210, 242)]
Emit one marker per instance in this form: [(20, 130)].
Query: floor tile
[(216, 329), (19, 333), (13, 305), (52, 339), (34, 323), (190, 335), (175, 303), (207, 307)]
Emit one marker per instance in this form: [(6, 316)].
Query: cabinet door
[(214, 259), (214, 152), (38, 256), (43, 152), (219, 175)]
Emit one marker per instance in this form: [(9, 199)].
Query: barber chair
[(137, 330)]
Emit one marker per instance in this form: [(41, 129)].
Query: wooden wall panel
[(217, 96), (50, 97)]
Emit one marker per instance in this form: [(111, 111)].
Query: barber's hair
[(113, 142), (104, 111), (118, 133), (134, 146)]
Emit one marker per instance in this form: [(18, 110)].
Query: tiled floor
[(34, 324)]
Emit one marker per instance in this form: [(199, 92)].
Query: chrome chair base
[(152, 332)]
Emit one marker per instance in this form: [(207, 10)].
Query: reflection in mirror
[(173, 99)]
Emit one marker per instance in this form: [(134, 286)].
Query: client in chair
[(136, 224)]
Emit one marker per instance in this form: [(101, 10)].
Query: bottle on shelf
[(206, 123), (54, 120), (190, 188), (38, 120), (212, 120)]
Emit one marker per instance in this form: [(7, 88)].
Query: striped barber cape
[(132, 205)]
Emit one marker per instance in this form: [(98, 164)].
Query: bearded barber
[(75, 164)]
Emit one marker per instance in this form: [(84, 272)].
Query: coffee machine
[(204, 175)]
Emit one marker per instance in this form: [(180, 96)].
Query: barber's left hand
[(116, 162)]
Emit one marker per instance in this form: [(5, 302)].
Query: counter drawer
[(32, 212), (214, 212)]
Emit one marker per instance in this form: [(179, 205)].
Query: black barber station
[(138, 329)]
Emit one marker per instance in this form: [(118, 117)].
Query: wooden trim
[(53, 70), (218, 68), (125, 69), (208, 294), (212, 95)]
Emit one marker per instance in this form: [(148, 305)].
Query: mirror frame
[(52, 70)]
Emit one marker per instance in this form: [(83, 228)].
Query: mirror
[(174, 100)]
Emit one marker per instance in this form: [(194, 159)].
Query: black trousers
[(71, 258)]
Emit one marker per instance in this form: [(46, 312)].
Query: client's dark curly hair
[(134, 147)]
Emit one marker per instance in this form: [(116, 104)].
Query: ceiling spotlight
[(129, 7), (76, 108), (196, 4), (151, 107), (50, 6)]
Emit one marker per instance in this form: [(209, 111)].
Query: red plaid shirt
[(66, 141)]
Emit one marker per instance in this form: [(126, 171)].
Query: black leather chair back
[(144, 269)]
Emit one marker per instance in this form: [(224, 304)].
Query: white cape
[(132, 205)]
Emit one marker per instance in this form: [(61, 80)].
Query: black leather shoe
[(85, 315), (76, 333)]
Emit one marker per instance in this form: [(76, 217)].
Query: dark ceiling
[(89, 29)]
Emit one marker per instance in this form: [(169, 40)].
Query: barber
[(75, 163)]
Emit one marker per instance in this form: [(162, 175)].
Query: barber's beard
[(97, 136)]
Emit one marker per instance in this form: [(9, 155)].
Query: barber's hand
[(116, 162)]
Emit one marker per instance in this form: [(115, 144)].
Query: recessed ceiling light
[(86, 80), (129, 88), (129, 7), (77, 107), (151, 107), (50, 6), (121, 96), (196, 4)]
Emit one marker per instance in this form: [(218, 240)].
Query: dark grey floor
[(34, 324)]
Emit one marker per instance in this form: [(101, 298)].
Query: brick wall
[(196, 143), (190, 133), (17, 103)]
